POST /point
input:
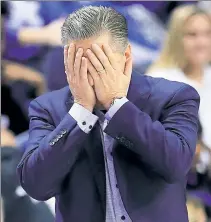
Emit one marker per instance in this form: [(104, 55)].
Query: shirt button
[(83, 123), (123, 217), (90, 127)]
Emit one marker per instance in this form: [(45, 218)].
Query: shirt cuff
[(84, 118), (117, 105)]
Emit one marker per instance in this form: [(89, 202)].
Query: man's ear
[(128, 52)]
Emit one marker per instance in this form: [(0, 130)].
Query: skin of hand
[(110, 81), (76, 72), (49, 34), (7, 138), (52, 32)]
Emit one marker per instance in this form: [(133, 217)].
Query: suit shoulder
[(172, 88), (165, 92), (53, 96)]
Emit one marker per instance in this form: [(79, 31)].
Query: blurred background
[(169, 39)]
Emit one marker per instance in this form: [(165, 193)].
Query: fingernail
[(88, 50), (71, 44)]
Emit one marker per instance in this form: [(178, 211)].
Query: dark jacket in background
[(18, 208)]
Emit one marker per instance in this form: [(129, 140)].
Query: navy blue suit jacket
[(155, 134)]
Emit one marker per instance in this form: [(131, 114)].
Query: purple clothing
[(155, 135), (115, 209), (86, 120)]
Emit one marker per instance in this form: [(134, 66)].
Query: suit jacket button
[(63, 132), (122, 140), (131, 145)]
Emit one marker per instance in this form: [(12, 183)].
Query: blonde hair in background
[(172, 54)]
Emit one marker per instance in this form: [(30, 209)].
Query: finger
[(66, 57), (93, 72), (65, 61), (94, 60), (128, 67), (77, 63), (102, 57), (90, 79), (110, 55), (66, 47), (71, 59), (83, 71)]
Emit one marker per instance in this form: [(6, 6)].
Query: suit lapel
[(139, 90), (94, 150)]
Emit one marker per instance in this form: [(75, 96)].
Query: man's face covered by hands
[(107, 69), (100, 41)]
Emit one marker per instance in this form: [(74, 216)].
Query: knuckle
[(98, 67), (97, 77)]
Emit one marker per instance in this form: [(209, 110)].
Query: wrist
[(88, 107), (109, 104)]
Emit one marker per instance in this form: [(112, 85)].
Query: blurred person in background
[(34, 36), (18, 206), (199, 177), (96, 142), (196, 210), (200, 173), (19, 84), (186, 55)]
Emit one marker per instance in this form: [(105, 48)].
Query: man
[(127, 165)]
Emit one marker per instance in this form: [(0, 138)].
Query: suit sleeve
[(168, 145), (51, 153)]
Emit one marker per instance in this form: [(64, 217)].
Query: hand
[(109, 81), (15, 71), (76, 71), (7, 138)]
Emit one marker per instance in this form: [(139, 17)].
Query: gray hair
[(93, 21)]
